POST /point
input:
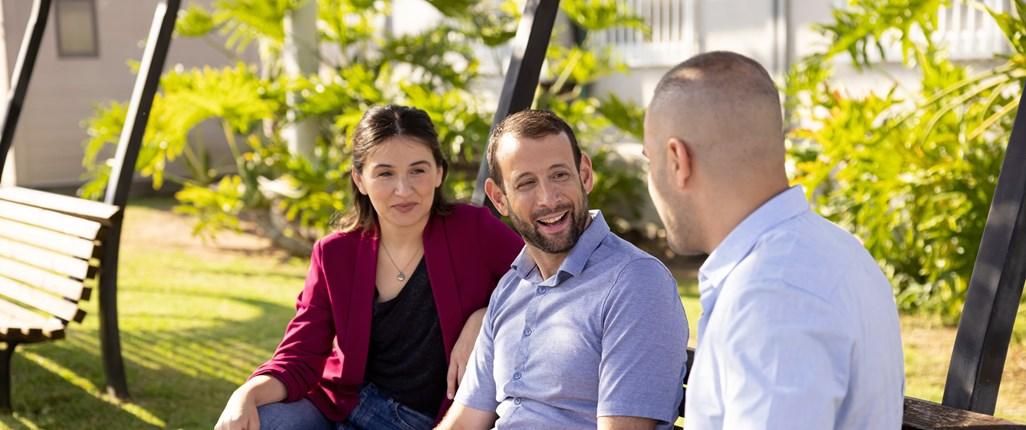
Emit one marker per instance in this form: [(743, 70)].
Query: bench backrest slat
[(44, 259), (56, 284), (31, 333), (50, 220), (14, 317), (47, 239), (48, 243), (96, 211), (58, 307)]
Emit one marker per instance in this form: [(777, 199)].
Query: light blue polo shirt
[(606, 335)]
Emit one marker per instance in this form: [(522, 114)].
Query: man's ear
[(587, 174), (358, 180), (679, 161), (497, 196)]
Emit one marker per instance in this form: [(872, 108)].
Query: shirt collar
[(579, 255), (743, 237)]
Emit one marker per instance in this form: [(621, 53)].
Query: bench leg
[(110, 337), (5, 377)]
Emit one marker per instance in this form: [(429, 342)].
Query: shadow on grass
[(177, 378)]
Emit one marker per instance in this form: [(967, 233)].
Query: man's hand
[(461, 351)]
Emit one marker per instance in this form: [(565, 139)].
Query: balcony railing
[(673, 35), (970, 33), (965, 31)]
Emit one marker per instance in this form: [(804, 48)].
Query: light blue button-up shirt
[(799, 329), (604, 336)]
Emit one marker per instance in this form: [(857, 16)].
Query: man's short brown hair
[(530, 123)]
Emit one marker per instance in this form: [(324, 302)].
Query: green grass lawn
[(197, 318)]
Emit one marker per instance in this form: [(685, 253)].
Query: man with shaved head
[(799, 327)]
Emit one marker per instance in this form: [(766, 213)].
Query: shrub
[(910, 173)]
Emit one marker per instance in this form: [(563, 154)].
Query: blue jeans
[(375, 411)]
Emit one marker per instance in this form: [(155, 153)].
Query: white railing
[(965, 31), (673, 33), (970, 32)]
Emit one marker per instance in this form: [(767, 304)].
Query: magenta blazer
[(324, 352)]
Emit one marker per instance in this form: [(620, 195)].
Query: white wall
[(63, 91)]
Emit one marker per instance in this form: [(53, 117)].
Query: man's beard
[(530, 233)]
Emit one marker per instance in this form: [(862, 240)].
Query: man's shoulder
[(615, 253), (808, 262), (629, 268), (808, 253)]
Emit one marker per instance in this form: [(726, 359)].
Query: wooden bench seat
[(50, 254), (926, 415)]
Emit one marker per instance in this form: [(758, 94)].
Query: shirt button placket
[(523, 349)]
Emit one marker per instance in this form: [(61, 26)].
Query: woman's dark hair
[(379, 124)]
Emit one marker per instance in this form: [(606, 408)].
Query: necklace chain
[(401, 276)]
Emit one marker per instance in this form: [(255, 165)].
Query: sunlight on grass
[(195, 321), (91, 389), (25, 422)]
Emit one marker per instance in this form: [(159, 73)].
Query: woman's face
[(400, 176)]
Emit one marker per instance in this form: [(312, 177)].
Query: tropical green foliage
[(362, 64), (910, 172)]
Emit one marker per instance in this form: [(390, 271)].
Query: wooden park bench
[(55, 249), (50, 252)]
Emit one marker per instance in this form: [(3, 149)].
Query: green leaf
[(195, 21), (595, 15), (625, 115)]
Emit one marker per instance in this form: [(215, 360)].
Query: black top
[(406, 359)]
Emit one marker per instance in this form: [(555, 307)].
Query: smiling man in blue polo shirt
[(585, 330)]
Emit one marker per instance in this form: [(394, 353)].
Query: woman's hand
[(461, 351), (241, 411)]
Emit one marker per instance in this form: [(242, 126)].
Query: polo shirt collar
[(579, 255), (743, 237)]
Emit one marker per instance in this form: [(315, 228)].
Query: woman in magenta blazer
[(393, 301)]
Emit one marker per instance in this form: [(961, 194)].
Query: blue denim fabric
[(375, 411), (299, 415)]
